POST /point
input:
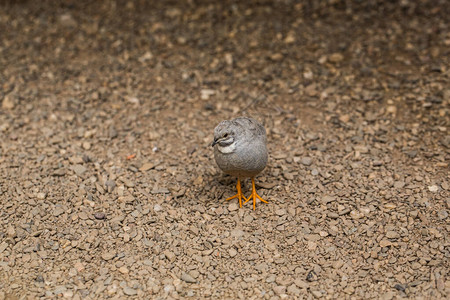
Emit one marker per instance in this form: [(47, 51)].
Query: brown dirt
[(108, 187)]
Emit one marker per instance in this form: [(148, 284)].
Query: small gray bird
[(240, 150)]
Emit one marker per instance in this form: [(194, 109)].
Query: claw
[(254, 195), (239, 193)]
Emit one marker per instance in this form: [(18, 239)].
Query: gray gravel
[(108, 187)]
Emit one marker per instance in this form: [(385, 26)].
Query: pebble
[(442, 214), (187, 278), (312, 276), (279, 289), (129, 291), (327, 199), (293, 290), (233, 206), (86, 145), (317, 294), (392, 235), (237, 233), (58, 211), (336, 57), (280, 212), (399, 184), (110, 184), (232, 252), (433, 188), (271, 278), (41, 196), (306, 161), (8, 103), (79, 169), (385, 243), (100, 215), (288, 176), (157, 208), (109, 255)]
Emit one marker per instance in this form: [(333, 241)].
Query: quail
[(240, 150)]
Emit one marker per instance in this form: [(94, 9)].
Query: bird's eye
[(225, 135)]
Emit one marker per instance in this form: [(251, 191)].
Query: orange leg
[(254, 195), (239, 193)]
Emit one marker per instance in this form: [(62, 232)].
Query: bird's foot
[(254, 196), (239, 194)]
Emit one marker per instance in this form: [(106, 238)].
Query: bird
[(240, 150)]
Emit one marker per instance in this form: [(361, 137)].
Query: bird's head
[(224, 135)]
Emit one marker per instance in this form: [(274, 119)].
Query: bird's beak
[(214, 142)]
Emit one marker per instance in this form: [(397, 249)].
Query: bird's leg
[(239, 193), (254, 195)]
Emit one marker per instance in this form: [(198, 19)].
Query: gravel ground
[(108, 186)]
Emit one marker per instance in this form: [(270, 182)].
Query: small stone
[(99, 215), (399, 184), (301, 284), (327, 199), (232, 252), (3, 246), (392, 235), (306, 161), (377, 163), (276, 57), (160, 190), (344, 118), (442, 215), (279, 289), (388, 296), (86, 145), (400, 287), (233, 206), (433, 188), (271, 278), (280, 212), (288, 176), (58, 211), (391, 109), (317, 294), (67, 20), (237, 233), (411, 153), (169, 255), (187, 278), (157, 208), (293, 290), (110, 184), (109, 255), (205, 94), (41, 196), (129, 291), (147, 166), (79, 266), (336, 57), (291, 241), (8, 102), (361, 149), (385, 243), (79, 169), (334, 215), (312, 276)]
